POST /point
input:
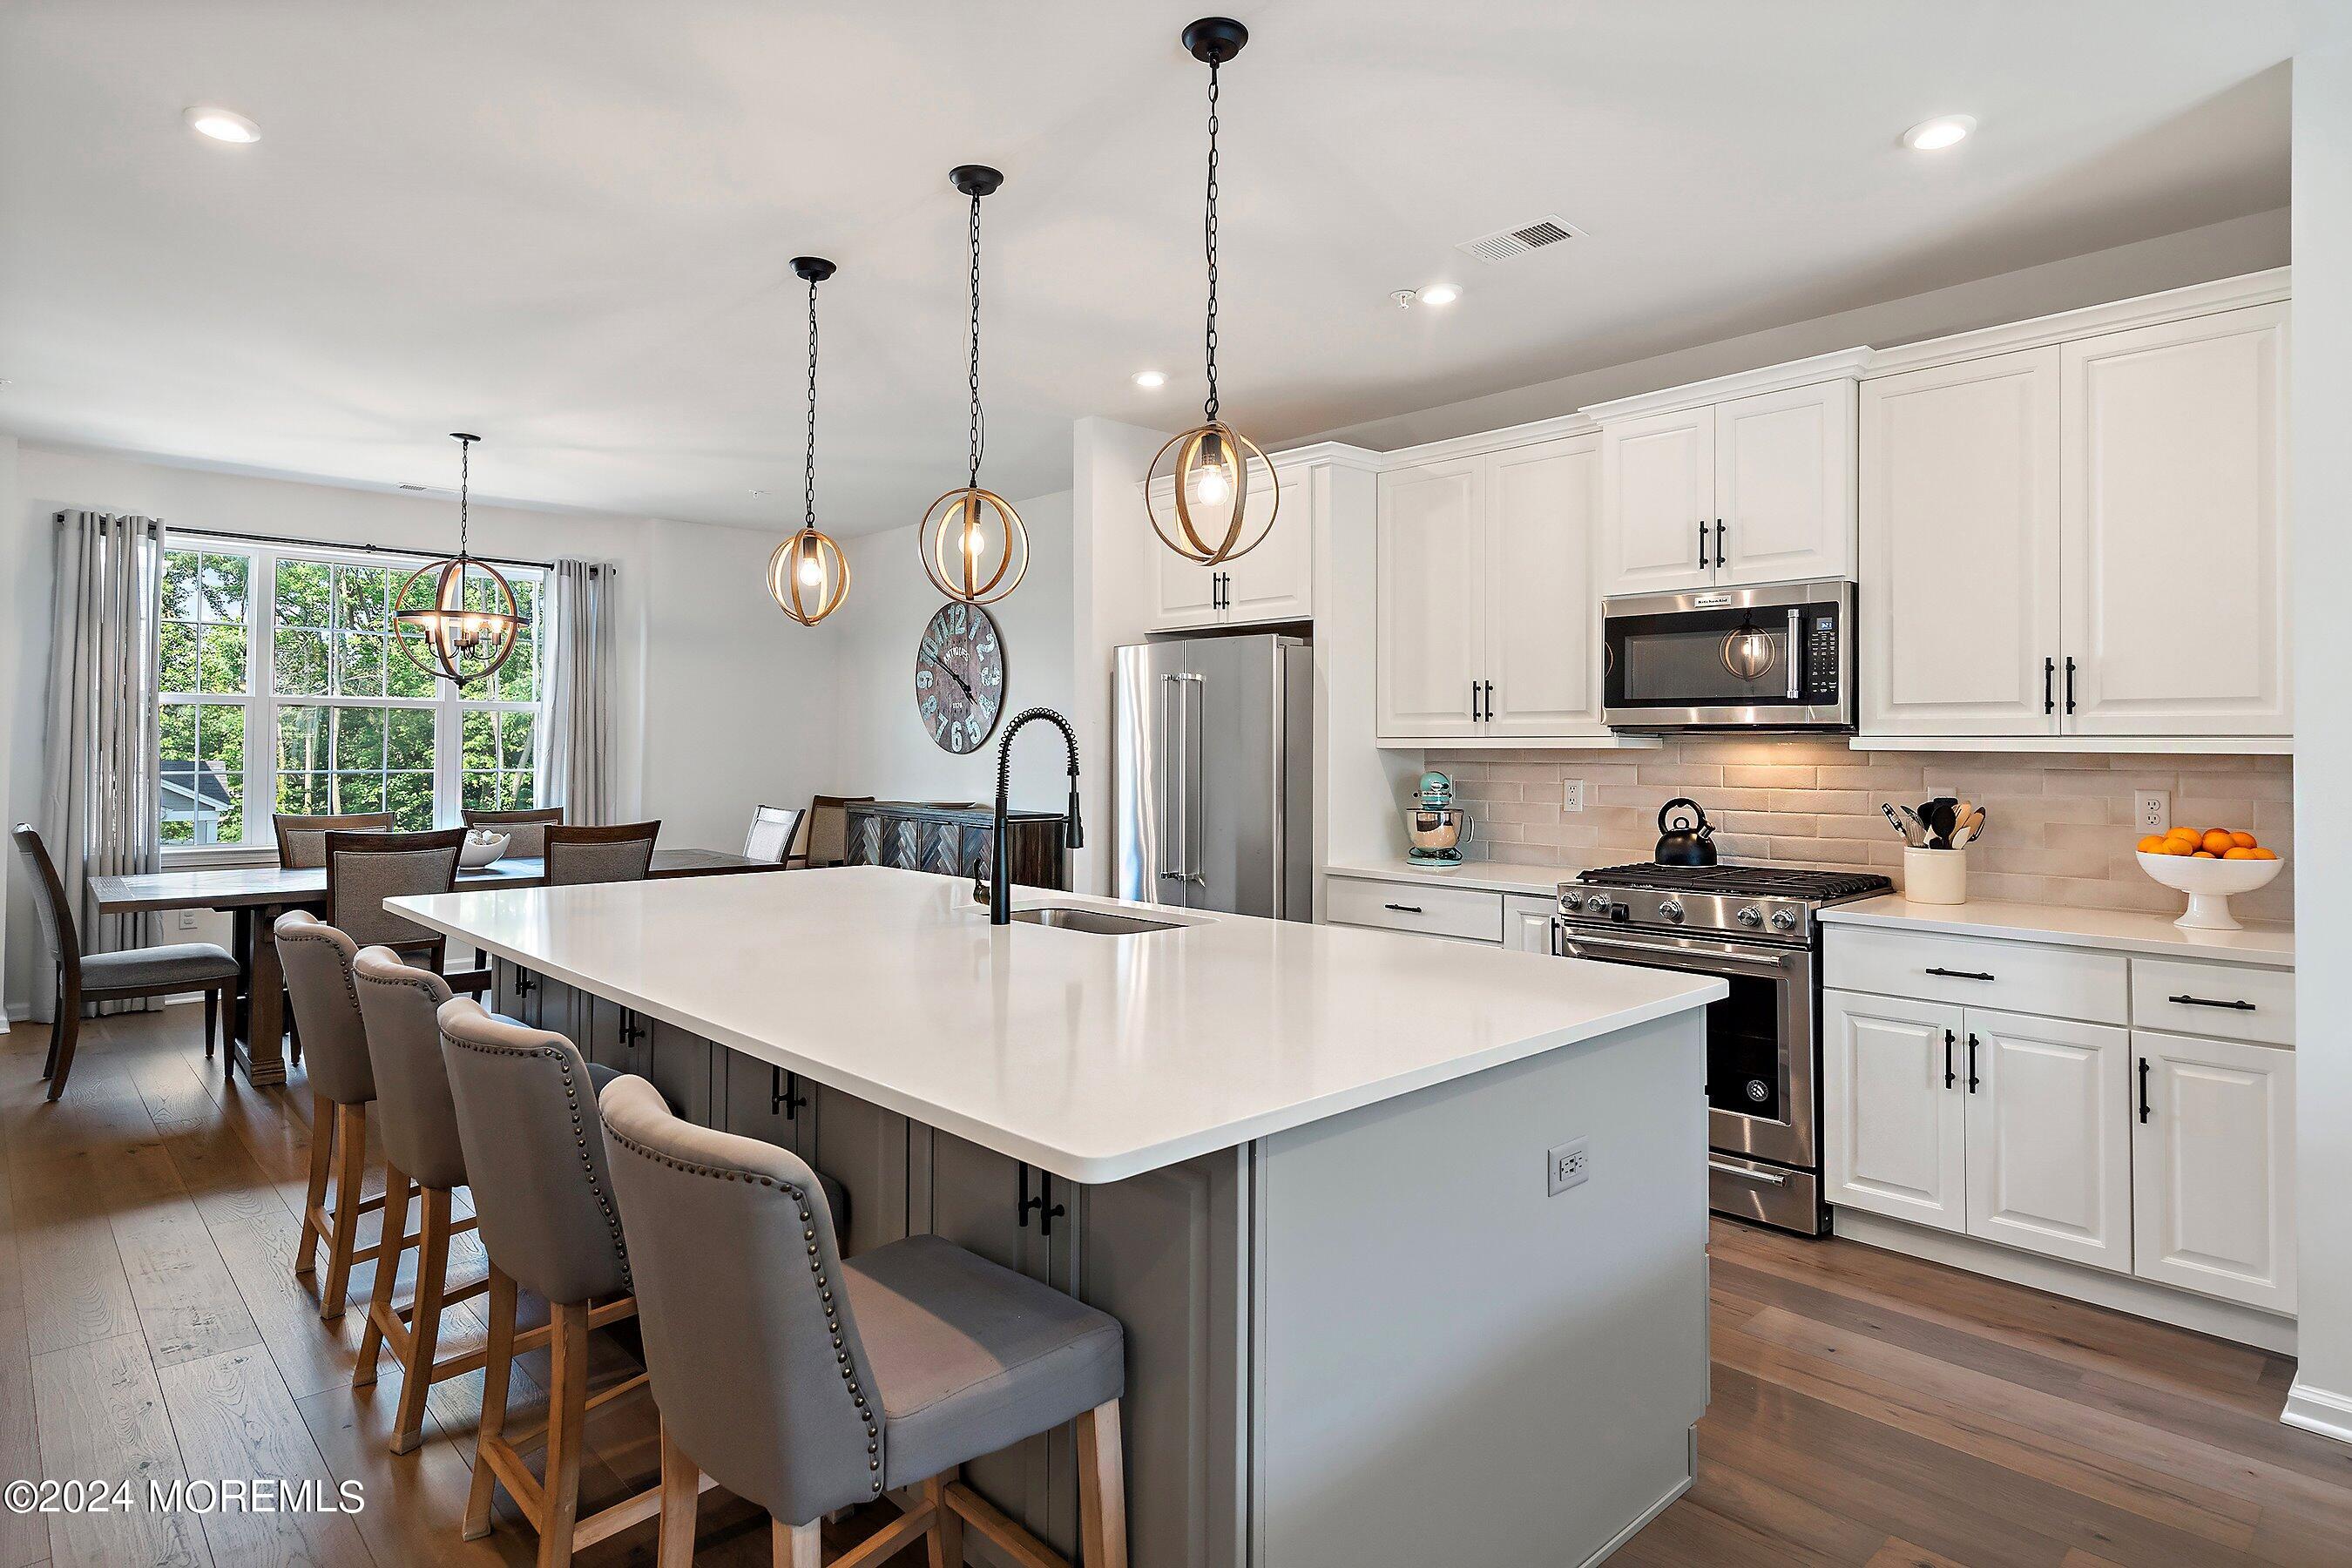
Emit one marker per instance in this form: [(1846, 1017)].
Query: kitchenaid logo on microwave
[(1709, 601)]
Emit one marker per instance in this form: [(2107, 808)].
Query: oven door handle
[(1765, 1178), (1685, 957)]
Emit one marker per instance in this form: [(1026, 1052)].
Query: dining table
[(253, 897)]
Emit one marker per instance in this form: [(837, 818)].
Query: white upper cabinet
[(1189, 594), (1542, 617), (2175, 568), (1658, 495), (1274, 582), (1784, 485), (1430, 641), (1959, 611)]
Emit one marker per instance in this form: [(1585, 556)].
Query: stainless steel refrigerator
[(1213, 747)]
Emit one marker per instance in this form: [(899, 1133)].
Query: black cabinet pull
[(1490, 699), (2070, 683), (1950, 1076), (2187, 1000), (784, 1093), (1047, 1210), (1960, 974), (2144, 1111), (524, 984), (2050, 686), (1973, 1079), (1718, 543), (633, 1028), (1404, 909), (1702, 543), (1474, 702)]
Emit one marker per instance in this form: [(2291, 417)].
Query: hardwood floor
[(1869, 1410)]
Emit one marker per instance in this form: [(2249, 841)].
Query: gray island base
[(1369, 1338)]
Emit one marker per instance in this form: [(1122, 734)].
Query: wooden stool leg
[(946, 1534), (390, 1250), (322, 1154), (498, 1366), (567, 1414), (1102, 1489), (681, 1504), (424, 1325), (796, 1545), (350, 1174), (212, 1021)]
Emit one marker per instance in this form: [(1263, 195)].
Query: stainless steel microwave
[(1773, 658)]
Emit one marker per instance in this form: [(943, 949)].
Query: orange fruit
[(2203, 855), (2152, 845), (2179, 847), (2259, 853), (2237, 852), (2188, 834), (2216, 839), (2244, 840)]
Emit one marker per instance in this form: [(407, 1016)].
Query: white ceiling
[(565, 224)]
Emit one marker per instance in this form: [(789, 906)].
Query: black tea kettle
[(1684, 836)]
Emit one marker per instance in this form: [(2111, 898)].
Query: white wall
[(2321, 1397), (882, 746), (12, 523)]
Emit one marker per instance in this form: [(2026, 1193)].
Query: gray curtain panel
[(102, 784), (575, 766)]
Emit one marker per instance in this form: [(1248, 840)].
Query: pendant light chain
[(979, 434), (1208, 236), (808, 467), (465, 486)]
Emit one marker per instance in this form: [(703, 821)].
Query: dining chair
[(302, 840), (526, 831), (366, 868), (773, 829), (317, 961), (526, 1112), (805, 1383), (823, 839), (80, 978), (621, 852)]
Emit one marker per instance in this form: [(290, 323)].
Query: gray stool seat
[(190, 963), (970, 1357)]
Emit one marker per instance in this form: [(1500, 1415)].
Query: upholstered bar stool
[(807, 1384), (526, 1111), (317, 958), (421, 1149)]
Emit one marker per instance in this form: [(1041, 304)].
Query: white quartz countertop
[(2116, 930), (1095, 1058), (1492, 875)]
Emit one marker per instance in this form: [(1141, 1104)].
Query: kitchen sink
[(1101, 922)]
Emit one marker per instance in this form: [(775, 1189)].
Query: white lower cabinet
[(2213, 1167), (1527, 922), (1519, 921), (2049, 1158), (1897, 1113)]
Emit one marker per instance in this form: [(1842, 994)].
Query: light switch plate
[(1567, 1165)]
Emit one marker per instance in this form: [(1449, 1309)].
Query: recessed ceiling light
[(222, 124), (1944, 130), (1440, 294), (1148, 379)]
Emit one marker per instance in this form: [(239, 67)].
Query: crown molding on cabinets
[(1847, 363), (2092, 321), (1485, 441), (1338, 453)]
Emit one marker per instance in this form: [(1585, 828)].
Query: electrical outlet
[(1571, 795), (1568, 1166), (187, 920), (2152, 810)]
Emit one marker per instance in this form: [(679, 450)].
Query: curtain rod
[(593, 567)]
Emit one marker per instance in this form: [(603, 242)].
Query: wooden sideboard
[(953, 840)]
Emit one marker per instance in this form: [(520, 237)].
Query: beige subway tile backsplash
[(2059, 825)]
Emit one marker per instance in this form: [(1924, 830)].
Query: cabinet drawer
[(2015, 977), (1468, 912), (2231, 1001)]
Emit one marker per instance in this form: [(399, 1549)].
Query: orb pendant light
[(1211, 493), (808, 577), (975, 547), (457, 619)]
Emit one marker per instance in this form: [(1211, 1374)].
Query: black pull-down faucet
[(1000, 871)]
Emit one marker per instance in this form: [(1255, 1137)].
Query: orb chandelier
[(457, 619), (808, 577), (1210, 493), (975, 547)]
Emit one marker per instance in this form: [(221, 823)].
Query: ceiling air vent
[(1504, 244)]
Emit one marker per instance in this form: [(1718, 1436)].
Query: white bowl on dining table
[(2208, 884), (481, 848)]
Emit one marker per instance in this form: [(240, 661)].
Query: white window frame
[(260, 701)]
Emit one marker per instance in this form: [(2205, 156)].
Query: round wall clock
[(960, 678)]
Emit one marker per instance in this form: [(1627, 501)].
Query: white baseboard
[(2318, 1410), (2122, 1293)]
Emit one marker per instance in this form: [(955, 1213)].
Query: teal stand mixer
[(1437, 827)]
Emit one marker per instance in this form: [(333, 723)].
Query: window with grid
[(285, 691)]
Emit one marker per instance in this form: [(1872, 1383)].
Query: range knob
[(1784, 920), (1749, 916), (1571, 903), (1671, 908)]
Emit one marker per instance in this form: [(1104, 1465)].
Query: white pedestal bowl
[(2208, 884)]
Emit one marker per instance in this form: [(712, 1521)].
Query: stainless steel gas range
[(1754, 926)]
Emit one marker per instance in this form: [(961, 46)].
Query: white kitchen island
[(1308, 1168)]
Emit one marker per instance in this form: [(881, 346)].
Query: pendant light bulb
[(975, 547), (808, 577), (1211, 494)]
